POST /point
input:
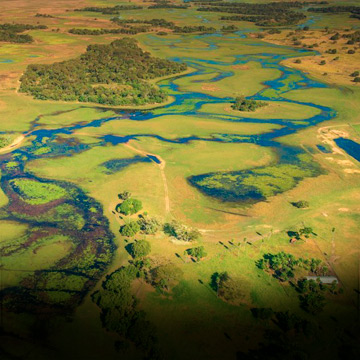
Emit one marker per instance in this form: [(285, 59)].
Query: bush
[(124, 195), (357, 79), (198, 252), (301, 204), (355, 73), (149, 225), (130, 229), (351, 52), (181, 232), (129, 207), (140, 249)]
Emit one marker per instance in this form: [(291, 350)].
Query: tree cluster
[(109, 10), (284, 266), (242, 104), (10, 32), (113, 74), (119, 313), (130, 30)]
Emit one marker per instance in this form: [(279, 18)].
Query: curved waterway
[(91, 237), (189, 103)]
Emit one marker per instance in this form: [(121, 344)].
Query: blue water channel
[(189, 103)]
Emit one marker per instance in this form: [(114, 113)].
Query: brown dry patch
[(210, 87), (24, 9), (334, 71), (352, 171), (9, 80), (240, 67)]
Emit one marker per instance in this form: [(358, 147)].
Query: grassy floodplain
[(188, 159)]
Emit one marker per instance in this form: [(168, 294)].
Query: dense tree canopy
[(10, 32), (111, 74)]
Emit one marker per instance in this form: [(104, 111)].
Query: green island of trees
[(109, 10), (242, 104), (113, 74), (10, 32)]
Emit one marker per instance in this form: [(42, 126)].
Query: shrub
[(181, 232), (301, 204), (124, 195), (198, 252), (149, 225)]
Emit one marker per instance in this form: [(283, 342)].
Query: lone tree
[(226, 287), (166, 276), (130, 229), (129, 207), (140, 249)]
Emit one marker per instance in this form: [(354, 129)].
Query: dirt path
[(15, 144), (161, 165)]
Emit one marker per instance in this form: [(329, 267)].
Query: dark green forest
[(113, 74), (10, 32)]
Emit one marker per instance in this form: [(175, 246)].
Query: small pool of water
[(351, 147), (324, 149)]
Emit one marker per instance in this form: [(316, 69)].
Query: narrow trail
[(14, 145), (161, 165)]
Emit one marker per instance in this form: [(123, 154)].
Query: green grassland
[(191, 321), (274, 110)]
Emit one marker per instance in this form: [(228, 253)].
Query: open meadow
[(192, 193)]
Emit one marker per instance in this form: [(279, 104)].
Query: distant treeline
[(113, 74), (44, 15), (128, 30), (167, 5), (271, 14), (114, 10), (10, 32), (168, 25), (353, 10)]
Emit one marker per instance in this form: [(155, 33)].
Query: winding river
[(45, 144)]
